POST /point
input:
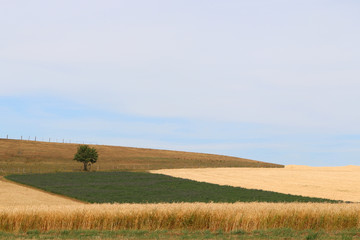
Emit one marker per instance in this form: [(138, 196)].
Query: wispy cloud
[(236, 77)]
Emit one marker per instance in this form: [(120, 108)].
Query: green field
[(144, 234), (140, 187)]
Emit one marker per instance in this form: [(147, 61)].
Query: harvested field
[(12, 194), (182, 216), (337, 183), (18, 156)]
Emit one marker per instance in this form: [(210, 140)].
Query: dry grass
[(198, 216), (12, 194), (29, 156), (337, 183)]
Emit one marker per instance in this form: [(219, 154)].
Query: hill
[(19, 156)]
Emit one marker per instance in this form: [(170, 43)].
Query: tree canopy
[(87, 155)]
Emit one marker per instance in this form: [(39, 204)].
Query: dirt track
[(12, 194), (339, 183)]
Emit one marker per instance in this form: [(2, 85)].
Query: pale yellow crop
[(189, 216)]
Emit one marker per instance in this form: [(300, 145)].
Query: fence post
[(35, 138)]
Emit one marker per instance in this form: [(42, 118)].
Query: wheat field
[(12, 194), (337, 183), (177, 216)]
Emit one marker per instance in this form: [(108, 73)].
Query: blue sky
[(275, 81)]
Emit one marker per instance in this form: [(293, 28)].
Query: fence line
[(42, 139)]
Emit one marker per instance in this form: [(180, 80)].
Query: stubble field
[(337, 183), (20, 157), (12, 194)]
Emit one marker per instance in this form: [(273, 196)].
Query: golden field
[(177, 216), (24, 208), (12, 194), (18, 156), (337, 183)]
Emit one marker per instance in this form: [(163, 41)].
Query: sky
[(271, 80)]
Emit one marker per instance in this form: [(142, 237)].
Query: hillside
[(18, 156)]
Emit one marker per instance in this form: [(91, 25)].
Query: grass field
[(214, 217), (36, 157), (175, 235), (140, 187), (340, 183)]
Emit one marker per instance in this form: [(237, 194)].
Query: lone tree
[(86, 155)]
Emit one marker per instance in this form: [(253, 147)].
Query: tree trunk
[(85, 166)]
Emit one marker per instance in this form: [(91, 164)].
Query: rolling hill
[(19, 156)]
